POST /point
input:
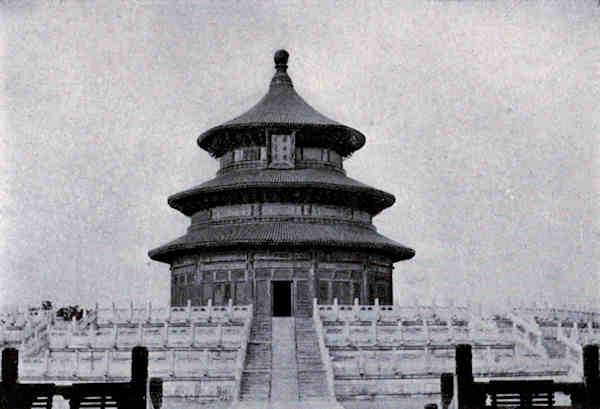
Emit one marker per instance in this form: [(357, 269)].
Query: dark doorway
[(282, 298)]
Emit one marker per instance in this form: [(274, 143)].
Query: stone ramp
[(284, 367), (284, 379)]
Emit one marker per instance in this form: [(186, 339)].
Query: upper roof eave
[(283, 107)]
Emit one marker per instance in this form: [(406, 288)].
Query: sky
[(482, 118)]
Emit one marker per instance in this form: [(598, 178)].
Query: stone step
[(255, 385), (312, 379), (258, 356)]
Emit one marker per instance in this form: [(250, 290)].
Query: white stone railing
[(371, 325), (177, 349), (222, 327), (578, 313), (431, 360), (148, 313), (96, 364), (325, 357), (241, 357), (29, 338), (376, 312), (573, 349), (515, 346), (528, 333)]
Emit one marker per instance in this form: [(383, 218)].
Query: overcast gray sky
[(482, 118)]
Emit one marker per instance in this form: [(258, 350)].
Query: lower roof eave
[(166, 253)]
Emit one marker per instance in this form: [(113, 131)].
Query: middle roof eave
[(300, 178)]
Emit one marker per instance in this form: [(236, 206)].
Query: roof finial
[(281, 78), (281, 59)]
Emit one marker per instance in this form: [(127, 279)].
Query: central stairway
[(284, 369)]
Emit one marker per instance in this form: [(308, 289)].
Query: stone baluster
[(107, 356), (91, 336), (171, 362), (131, 311), (230, 310), (401, 329), (426, 351), (169, 312), (115, 335), (376, 308), (559, 329), (356, 309), (206, 361), (165, 334), (36, 337), (346, 334), (361, 362), (426, 328), (373, 331), (489, 358), (220, 332), (70, 331), (336, 310), (46, 370), (192, 334), (188, 311), (76, 364), (149, 311), (209, 307), (140, 333)]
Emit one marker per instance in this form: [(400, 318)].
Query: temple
[(281, 223), (281, 292)]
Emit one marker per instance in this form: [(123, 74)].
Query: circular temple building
[(281, 223)]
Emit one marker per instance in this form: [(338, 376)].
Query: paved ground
[(321, 404)]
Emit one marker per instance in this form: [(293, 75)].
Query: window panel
[(324, 292), (282, 151)]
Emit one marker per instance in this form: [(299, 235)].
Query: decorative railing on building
[(198, 350), (240, 362), (324, 350), (388, 342)]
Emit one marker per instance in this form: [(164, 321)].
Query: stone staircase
[(256, 377), (312, 379), (283, 367)]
